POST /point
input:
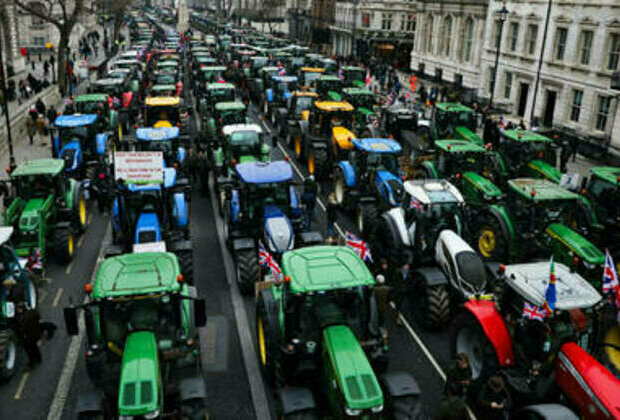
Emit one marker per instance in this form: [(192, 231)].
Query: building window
[(469, 38), (447, 35), (514, 35), (429, 34), (602, 113), (366, 20), (614, 52), (386, 21), (531, 38), (586, 46), (410, 23), (575, 108), (508, 85), (38, 40), (560, 43)]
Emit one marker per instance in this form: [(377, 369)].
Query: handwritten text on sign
[(139, 167)]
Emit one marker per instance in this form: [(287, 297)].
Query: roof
[(433, 191), (453, 107), (218, 86), (284, 79), (540, 190), (322, 268), (351, 68), (305, 93), (525, 136), (75, 120), (459, 146), (229, 129), (168, 63), (91, 97), (212, 68), (577, 244), (375, 145), (157, 134), (39, 167), (357, 91), (607, 173), (162, 101), (332, 106), (159, 88), (107, 81), (264, 172), (313, 69), (329, 78), (137, 274), (230, 106)]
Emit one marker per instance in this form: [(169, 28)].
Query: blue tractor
[(263, 205), (154, 217), (166, 140), (277, 95), (370, 181)]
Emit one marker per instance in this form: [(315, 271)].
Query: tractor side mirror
[(200, 313), (71, 321)]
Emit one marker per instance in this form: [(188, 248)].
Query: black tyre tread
[(501, 252), (248, 270), (269, 369), (61, 241), (6, 336), (438, 301), (186, 261)]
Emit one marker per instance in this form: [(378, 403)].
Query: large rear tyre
[(248, 270), (491, 242), (318, 163), (81, 212), (384, 244), (64, 245), (266, 343), (436, 300), (194, 409), (467, 336), (366, 218), (186, 261), (8, 354)]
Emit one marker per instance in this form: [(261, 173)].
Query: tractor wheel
[(81, 212), (32, 294), (297, 146), (467, 336), (340, 187), (383, 244), (366, 218), (186, 262), (611, 349), (491, 242), (266, 343), (64, 245), (8, 354), (433, 306), (302, 415), (194, 409), (317, 163), (248, 270)]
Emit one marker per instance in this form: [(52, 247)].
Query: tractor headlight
[(377, 409), (152, 415), (352, 412)]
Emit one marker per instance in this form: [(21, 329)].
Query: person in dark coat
[(494, 400), (452, 407), (381, 292), (27, 330), (332, 217), (459, 376), (40, 106), (308, 199)]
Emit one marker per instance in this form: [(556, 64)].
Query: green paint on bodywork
[(320, 268), (466, 134), (29, 218), (354, 91), (358, 84), (365, 111), (482, 184), (503, 212), (334, 96), (525, 136), (540, 190), (459, 146), (91, 97), (576, 243), (220, 86), (229, 106), (607, 173), (431, 169), (452, 107), (538, 167), (218, 157), (247, 158), (353, 372), (51, 167), (139, 387)]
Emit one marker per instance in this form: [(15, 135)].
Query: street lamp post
[(503, 13), (5, 108)]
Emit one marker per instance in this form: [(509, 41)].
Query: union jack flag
[(550, 295), (611, 286), (266, 261), (35, 262), (391, 98), (359, 246), (534, 312), (414, 203), (281, 71), (340, 73), (367, 80)]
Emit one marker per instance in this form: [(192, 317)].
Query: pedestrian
[(332, 216), (32, 64), (494, 399), (31, 127), (192, 165), (46, 68), (308, 199), (381, 292), (41, 130), (26, 326), (51, 115), (452, 406), (521, 125), (459, 376), (40, 106)]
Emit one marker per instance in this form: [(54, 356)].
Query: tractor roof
[(531, 280), (433, 191), (607, 173), (157, 134), (459, 146), (50, 167), (284, 79), (137, 274), (328, 78), (220, 86), (375, 145), (75, 120), (109, 81), (578, 245), (230, 106), (212, 68), (333, 106), (91, 97), (229, 129), (264, 172), (323, 268), (307, 93), (540, 190), (352, 68), (205, 59), (168, 63), (357, 91), (453, 107), (159, 88), (162, 101), (312, 69), (525, 136), (269, 69)]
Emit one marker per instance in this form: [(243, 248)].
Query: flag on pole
[(35, 262), (611, 286), (534, 312), (550, 297), (414, 203), (367, 80), (359, 246), (266, 261), (281, 71)]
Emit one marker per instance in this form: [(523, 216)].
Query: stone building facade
[(9, 36)]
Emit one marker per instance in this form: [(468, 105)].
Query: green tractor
[(13, 277), (366, 117), (538, 218), (214, 93), (354, 77), (328, 87), (142, 355), (319, 340), (224, 113), (90, 102), (46, 208), (452, 121)]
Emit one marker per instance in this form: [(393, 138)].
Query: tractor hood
[(71, 153), (334, 96), (365, 111), (390, 187), (139, 385), (343, 138), (482, 184), (352, 370), (545, 170), (247, 158), (466, 134), (278, 230), (576, 243), (29, 219)]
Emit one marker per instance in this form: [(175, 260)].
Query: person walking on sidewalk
[(41, 129), (40, 106), (308, 198), (51, 115), (332, 216), (31, 127)]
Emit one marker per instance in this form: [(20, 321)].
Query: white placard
[(149, 247), (570, 181), (139, 167)]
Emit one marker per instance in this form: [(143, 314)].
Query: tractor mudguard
[(494, 328), (431, 276), (192, 388), (180, 210), (349, 173), (588, 384), (400, 384), (182, 245), (269, 94), (101, 140), (505, 221), (430, 168), (90, 402), (241, 244), (395, 221), (295, 399)]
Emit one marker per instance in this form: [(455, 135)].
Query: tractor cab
[(328, 87), (162, 111), (164, 90), (209, 74), (455, 121), (142, 321), (218, 92), (81, 141), (229, 113), (526, 153), (162, 139), (164, 79), (121, 90), (602, 189), (307, 76), (354, 77), (276, 95), (257, 63), (300, 103), (367, 118)]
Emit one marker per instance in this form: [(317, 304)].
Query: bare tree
[(118, 10), (224, 8), (47, 10), (269, 13)]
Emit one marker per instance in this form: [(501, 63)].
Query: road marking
[(42, 295), (57, 298), (257, 387), (21, 386), (69, 267), (81, 240), (68, 369)]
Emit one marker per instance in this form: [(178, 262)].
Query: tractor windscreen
[(71, 134), (325, 86), (165, 79), (472, 270), (363, 101), (607, 197), (310, 77), (244, 139), (155, 146), (460, 162), (232, 117), (162, 113), (355, 75), (222, 95), (284, 87), (303, 103), (35, 186), (382, 162)]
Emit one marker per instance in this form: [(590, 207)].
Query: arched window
[(428, 31), (469, 39), (447, 35)]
